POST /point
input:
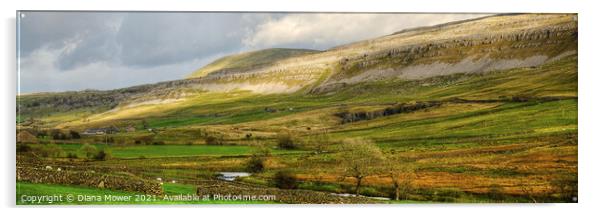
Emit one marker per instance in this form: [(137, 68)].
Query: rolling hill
[(247, 60)]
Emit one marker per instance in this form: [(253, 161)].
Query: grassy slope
[(249, 59), (555, 79), (507, 121)]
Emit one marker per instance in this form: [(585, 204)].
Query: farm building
[(100, 131)]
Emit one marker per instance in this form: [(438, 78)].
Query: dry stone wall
[(90, 179)]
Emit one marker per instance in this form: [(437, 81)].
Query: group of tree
[(61, 135), (91, 152)]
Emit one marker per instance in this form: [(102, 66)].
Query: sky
[(64, 51)]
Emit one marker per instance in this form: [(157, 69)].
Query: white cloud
[(322, 31)]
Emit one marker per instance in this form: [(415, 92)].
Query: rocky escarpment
[(504, 47), (473, 46)]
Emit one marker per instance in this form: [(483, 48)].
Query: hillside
[(475, 46), (247, 60)]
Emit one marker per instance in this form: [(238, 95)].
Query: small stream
[(353, 195), (231, 176)]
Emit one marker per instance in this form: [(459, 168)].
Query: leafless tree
[(402, 176), (360, 158)]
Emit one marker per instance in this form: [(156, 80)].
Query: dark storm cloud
[(150, 39), (54, 29)]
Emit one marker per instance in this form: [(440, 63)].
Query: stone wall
[(90, 179)]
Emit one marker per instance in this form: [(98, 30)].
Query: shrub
[(255, 164), (144, 140), (286, 141), (214, 140), (23, 148), (51, 151), (58, 135), (257, 161), (103, 155), (88, 150), (41, 134), (74, 134), (285, 180), (158, 143), (71, 155)]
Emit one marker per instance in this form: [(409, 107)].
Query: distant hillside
[(247, 60)]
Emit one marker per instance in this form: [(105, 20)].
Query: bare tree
[(402, 176), (319, 141), (360, 158)]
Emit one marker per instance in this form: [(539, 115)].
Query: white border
[(589, 102)]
